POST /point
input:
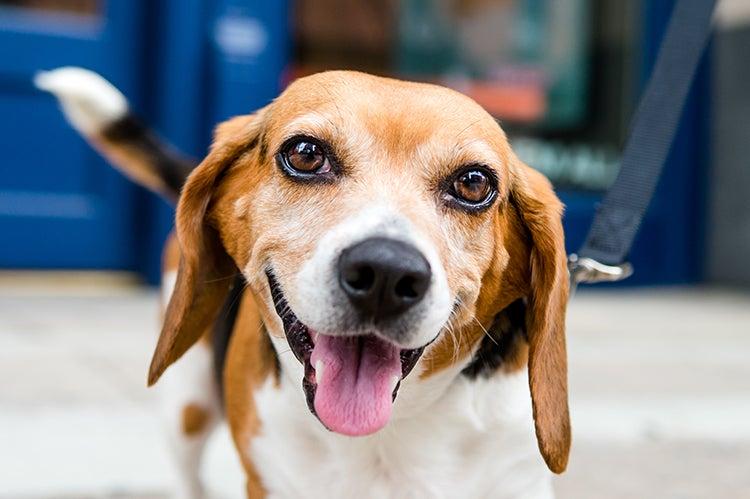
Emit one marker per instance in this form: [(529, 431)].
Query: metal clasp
[(588, 270)]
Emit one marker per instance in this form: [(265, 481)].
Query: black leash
[(618, 218)]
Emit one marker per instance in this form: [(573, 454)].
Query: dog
[(378, 279)]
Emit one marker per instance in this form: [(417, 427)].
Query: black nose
[(383, 277)]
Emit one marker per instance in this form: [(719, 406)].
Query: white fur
[(191, 380), (89, 102), (321, 310), (474, 439)]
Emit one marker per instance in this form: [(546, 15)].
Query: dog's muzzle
[(352, 378)]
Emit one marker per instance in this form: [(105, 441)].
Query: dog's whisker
[(468, 126), (333, 100), (486, 333), (473, 317), (450, 329), (223, 278)]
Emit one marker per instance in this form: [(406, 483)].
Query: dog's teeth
[(318, 371)]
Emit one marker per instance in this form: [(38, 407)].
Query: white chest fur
[(475, 441)]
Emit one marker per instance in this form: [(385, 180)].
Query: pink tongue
[(355, 388)]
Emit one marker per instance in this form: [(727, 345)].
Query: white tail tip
[(89, 102)]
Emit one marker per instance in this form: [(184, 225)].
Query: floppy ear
[(541, 213), (205, 272)]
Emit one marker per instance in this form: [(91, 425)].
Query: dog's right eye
[(304, 157)]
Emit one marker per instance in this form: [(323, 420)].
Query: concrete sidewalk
[(660, 395)]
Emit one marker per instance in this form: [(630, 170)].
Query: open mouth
[(350, 382)]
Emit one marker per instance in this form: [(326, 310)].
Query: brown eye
[(304, 156), (473, 186)]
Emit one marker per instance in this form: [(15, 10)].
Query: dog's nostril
[(406, 287), (360, 278)]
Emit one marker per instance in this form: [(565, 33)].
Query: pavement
[(659, 380)]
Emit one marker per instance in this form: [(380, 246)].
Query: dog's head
[(378, 223)]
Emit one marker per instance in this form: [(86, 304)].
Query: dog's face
[(380, 224)]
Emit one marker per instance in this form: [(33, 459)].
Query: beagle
[(379, 280)]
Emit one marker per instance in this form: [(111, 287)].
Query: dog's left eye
[(473, 188), (305, 157)]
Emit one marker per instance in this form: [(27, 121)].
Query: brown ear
[(541, 212), (205, 272)]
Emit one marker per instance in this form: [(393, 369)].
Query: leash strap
[(619, 216)]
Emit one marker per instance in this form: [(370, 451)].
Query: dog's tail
[(100, 112)]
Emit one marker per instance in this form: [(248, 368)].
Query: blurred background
[(660, 397)]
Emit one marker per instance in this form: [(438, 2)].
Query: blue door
[(183, 64), (60, 205)]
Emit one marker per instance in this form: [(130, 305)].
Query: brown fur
[(194, 419), (170, 258), (142, 156), (502, 283), (138, 167), (541, 212), (205, 271), (517, 357), (250, 362), (170, 261), (237, 212)]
